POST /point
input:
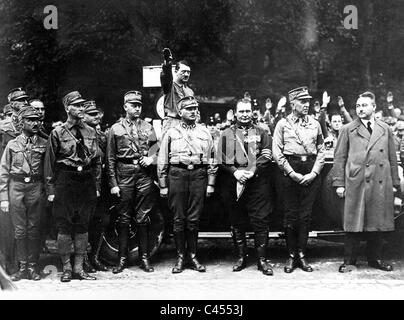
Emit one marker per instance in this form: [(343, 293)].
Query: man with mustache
[(174, 88), (73, 183), (21, 191), (298, 149), (366, 174), (131, 151)]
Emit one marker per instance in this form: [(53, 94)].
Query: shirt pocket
[(67, 145), (91, 144), (17, 158), (122, 142)]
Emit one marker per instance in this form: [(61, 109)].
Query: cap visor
[(77, 101), (134, 101)]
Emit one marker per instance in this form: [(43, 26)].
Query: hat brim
[(20, 97), (77, 101), (134, 102), (92, 112), (306, 96)]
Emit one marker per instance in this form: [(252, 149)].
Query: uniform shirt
[(62, 149), (186, 144), (102, 143), (8, 131), (14, 160), (287, 142), (173, 91), (242, 146), (127, 140)]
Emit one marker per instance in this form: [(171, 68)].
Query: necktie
[(80, 144), (370, 128)]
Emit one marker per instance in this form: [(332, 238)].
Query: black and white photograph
[(215, 152)]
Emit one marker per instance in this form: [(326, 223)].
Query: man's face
[(243, 112), (400, 128), (317, 107), (365, 108), (39, 106), (336, 122), (76, 110), (30, 125), (301, 107), (183, 73), (92, 119), (189, 114), (133, 110)]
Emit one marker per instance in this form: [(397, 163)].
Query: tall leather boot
[(33, 257), (80, 250), (95, 254), (303, 237), (240, 243), (291, 244), (21, 253), (144, 256), (123, 239), (261, 244), (179, 238), (192, 243), (65, 242)]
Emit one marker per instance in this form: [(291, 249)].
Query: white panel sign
[(151, 76)]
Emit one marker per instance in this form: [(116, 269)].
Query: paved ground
[(220, 283)]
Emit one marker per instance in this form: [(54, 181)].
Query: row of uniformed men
[(186, 172)]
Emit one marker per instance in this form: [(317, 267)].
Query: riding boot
[(80, 251), (291, 244), (303, 237), (87, 265), (123, 240), (21, 255), (144, 257), (33, 257), (95, 253), (179, 238), (65, 242), (192, 243), (261, 244), (240, 244)]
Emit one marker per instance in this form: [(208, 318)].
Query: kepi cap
[(28, 112), (73, 97), (186, 102), (90, 107), (133, 96), (299, 93), (16, 94)]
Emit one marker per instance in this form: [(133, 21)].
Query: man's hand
[(326, 98), (340, 192), (308, 178), (116, 191), (390, 97), (281, 103), (167, 55), (296, 177), (4, 206), (146, 161), (209, 191), (340, 102), (242, 175), (164, 192), (51, 197), (98, 194)]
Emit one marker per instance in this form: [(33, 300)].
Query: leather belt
[(190, 166), (26, 178), (134, 161), (78, 169), (301, 158)]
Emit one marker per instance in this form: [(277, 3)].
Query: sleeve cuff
[(211, 180), (163, 183)]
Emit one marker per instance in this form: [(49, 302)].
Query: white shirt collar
[(372, 122)]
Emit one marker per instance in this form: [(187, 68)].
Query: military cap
[(16, 94), (28, 112), (17, 105), (299, 93), (90, 107), (133, 97), (73, 97), (186, 102), (7, 109), (390, 120)]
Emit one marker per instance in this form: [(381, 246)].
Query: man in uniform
[(244, 154), (173, 88), (298, 149), (17, 94), (365, 174), (44, 127), (129, 156), (73, 174), (99, 221), (186, 173), (9, 128), (21, 191)]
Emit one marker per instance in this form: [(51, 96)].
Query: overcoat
[(366, 165)]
